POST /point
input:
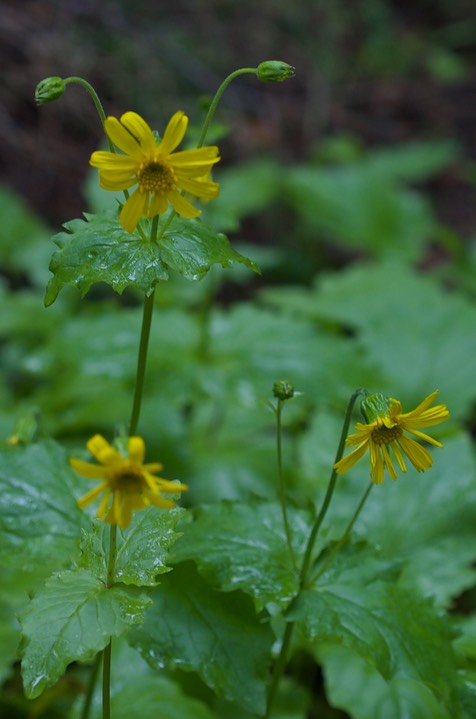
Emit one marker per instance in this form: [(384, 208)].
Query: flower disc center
[(129, 479), (155, 177), (386, 435)]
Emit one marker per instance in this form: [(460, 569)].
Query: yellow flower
[(386, 430), (128, 484), (158, 171)]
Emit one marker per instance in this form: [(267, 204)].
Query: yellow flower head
[(385, 429), (158, 171), (127, 483)]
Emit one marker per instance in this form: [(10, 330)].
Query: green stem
[(216, 99), (330, 489), (141, 362), (338, 546), (279, 667), (281, 661), (106, 667), (143, 346), (95, 98), (92, 683), (282, 488)]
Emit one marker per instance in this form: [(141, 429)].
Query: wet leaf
[(71, 619)]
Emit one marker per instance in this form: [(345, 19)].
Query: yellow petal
[(182, 206), (344, 464), (136, 449), (206, 190), (86, 469), (174, 133), (113, 162), (160, 502), (133, 210), (158, 205), (376, 464), (104, 504), (92, 495), (117, 182), (424, 437), (123, 510), (170, 487), (103, 452), (123, 139), (204, 156), (418, 455), (138, 127), (388, 462), (152, 467), (398, 455)]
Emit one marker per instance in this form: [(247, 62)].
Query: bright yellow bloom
[(128, 484), (386, 430), (158, 171)]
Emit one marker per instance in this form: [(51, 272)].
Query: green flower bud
[(49, 89), (283, 390), (274, 71), (375, 405)]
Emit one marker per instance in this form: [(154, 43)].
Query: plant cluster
[(259, 552)]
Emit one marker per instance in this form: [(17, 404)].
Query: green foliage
[(194, 628), (393, 631), (401, 696), (98, 249), (71, 619), (204, 596), (142, 551), (39, 519), (136, 688), (244, 547)]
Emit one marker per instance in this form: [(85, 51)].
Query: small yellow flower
[(386, 430), (128, 484), (158, 171)]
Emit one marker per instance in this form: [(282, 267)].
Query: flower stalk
[(282, 659), (281, 482)]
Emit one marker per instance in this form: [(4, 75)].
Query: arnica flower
[(159, 173), (127, 483), (385, 431)]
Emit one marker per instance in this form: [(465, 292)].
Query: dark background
[(384, 72)]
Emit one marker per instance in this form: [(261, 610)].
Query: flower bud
[(49, 89), (274, 71), (375, 405), (283, 390)]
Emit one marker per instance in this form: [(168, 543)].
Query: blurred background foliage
[(351, 185)]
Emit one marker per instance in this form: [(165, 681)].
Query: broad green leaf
[(191, 248), (71, 619), (394, 631), (244, 547), (142, 549), (357, 687), (40, 522), (218, 635), (98, 249), (427, 522)]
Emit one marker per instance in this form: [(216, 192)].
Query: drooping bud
[(283, 390), (375, 405), (49, 89), (274, 71)]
